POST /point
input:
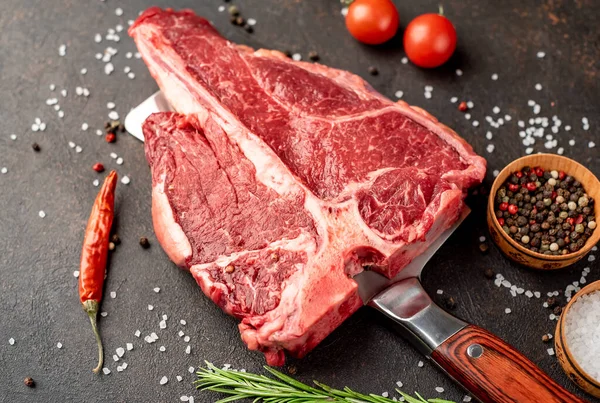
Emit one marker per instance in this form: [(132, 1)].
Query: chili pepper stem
[(91, 307)]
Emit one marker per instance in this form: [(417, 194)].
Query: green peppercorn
[(580, 228)]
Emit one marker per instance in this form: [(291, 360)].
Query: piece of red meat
[(278, 180)]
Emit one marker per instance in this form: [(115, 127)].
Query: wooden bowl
[(512, 248), (563, 353)]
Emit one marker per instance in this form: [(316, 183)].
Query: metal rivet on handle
[(475, 351)]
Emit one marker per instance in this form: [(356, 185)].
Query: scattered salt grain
[(119, 12), (454, 100), (108, 68), (154, 336), (96, 182), (550, 351), (11, 341), (59, 345), (191, 370), (83, 71), (115, 358), (3, 170), (183, 322), (439, 389), (78, 149), (467, 399), (399, 384), (494, 76), (399, 94), (128, 55), (507, 311), (163, 380), (113, 115), (165, 317), (62, 50), (76, 274), (150, 307), (404, 60), (110, 105), (84, 126), (52, 87), (385, 394), (137, 333), (490, 148), (475, 123), (61, 114), (113, 155), (591, 144), (440, 292), (528, 294), (125, 181), (496, 173), (131, 75), (180, 333), (179, 378), (591, 258), (297, 57), (541, 55), (188, 349), (157, 289), (104, 314), (538, 86), (162, 324), (496, 109), (186, 339), (251, 21), (459, 72), (344, 11), (126, 69), (42, 214), (162, 349), (119, 161), (106, 371), (221, 9), (489, 135), (120, 351), (137, 55)]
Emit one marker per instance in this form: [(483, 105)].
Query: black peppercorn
[(29, 382), (36, 147), (450, 303), (489, 273), (558, 310), (115, 239), (314, 56), (373, 70), (144, 242)]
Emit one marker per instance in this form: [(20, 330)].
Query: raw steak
[(277, 181)]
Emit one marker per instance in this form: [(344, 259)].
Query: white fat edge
[(174, 230)]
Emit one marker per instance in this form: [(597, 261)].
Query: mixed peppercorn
[(547, 212)]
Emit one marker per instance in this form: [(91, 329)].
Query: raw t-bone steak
[(276, 181)]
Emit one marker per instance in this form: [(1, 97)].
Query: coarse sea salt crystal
[(439, 389), (106, 371), (191, 370), (113, 115), (120, 351), (157, 289), (188, 349), (137, 333), (11, 341), (507, 311), (186, 339), (183, 322), (162, 349), (163, 380), (125, 181)]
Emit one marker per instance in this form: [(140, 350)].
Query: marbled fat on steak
[(276, 181)]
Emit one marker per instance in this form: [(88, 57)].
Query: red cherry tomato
[(429, 40), (372, 21)]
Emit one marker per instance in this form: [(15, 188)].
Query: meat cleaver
[(487, 367)]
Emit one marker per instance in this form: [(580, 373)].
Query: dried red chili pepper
[(94, 255)]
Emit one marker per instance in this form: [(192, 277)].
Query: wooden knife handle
[(495, 372)]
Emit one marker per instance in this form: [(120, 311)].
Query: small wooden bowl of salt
[(578, 339)]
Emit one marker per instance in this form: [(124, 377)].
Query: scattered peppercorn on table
[(520, 82)]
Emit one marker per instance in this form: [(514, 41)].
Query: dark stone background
[(38, 298)]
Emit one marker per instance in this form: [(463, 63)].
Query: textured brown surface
[(38, 294)]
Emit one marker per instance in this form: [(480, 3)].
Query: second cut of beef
[(276, 181)]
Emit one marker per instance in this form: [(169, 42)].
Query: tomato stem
[(441, 8)]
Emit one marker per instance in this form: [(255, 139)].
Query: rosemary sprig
[(283, 389)]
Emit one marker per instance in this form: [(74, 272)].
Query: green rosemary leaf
[(283, 389)]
